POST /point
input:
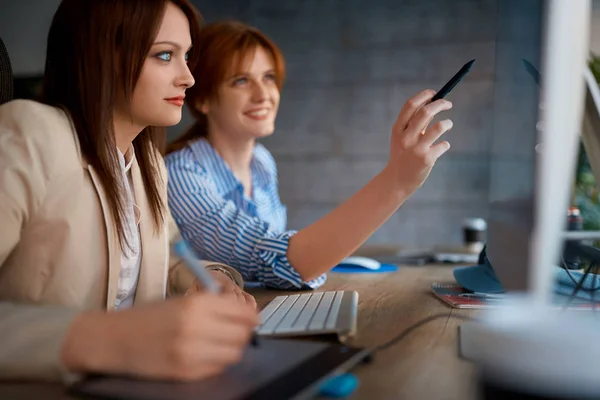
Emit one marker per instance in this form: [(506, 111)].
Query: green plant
[(594, 64), (586, 195)]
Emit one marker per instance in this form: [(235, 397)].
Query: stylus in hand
[(447, 88), (182, 249)]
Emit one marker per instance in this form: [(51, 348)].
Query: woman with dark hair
[(223, 189), (84, 213)]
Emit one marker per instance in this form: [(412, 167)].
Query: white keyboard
[(313, 313)]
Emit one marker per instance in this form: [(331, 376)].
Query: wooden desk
[(424, 365)]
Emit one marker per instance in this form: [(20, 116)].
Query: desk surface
[(424, 365)]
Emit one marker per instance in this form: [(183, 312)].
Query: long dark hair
[(95, 52), (222, 48)]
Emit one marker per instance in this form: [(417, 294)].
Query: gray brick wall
[(351, 65)]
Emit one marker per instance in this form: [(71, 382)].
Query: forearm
[(320, 246), (32, 336)]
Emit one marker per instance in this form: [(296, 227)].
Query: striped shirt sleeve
[(219, 231)]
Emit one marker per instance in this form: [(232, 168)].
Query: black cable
[(424, 321), (417, 325), (592, 254), (579, 285), (564, 266)]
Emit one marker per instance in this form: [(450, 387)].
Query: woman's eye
[(165, 55), (240, 81), (271, 77)]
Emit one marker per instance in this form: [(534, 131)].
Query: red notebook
[(450, 293), (457, 297)]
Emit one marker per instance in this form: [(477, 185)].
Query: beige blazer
[(59, 253)]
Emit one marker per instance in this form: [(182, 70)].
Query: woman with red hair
[(223, 190)]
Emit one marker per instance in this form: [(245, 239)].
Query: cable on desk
[(564, 266), (579, 286), (592, 255), (434, 317), (578, 283), (417, 325)]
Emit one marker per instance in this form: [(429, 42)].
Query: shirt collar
[(206, 154), (126, 160)]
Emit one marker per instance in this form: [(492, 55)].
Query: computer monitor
[(536, 124), (515, 136), (526, 348)]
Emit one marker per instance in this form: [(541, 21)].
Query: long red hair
[(224, 49)]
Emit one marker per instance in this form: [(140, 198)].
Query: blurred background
[(351, 64)]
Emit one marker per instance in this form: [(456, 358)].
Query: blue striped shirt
[(222, 224)]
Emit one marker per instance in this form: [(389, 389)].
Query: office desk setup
[(424, 365)]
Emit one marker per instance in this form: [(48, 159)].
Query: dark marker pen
[(447, 88)]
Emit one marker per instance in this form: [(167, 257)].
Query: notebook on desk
[(277, 369), (454, 295)]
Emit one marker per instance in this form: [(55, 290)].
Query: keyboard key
[(266, 312), (333, 312), (292, 315), (271, 324), (303, 320), (318, 321)]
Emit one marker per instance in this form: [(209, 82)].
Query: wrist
[(88, 346), (222, 271), (396, 187), (229, 272)]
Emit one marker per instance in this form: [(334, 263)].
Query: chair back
[(6, 75)]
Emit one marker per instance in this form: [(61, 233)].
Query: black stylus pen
[(447, 88)]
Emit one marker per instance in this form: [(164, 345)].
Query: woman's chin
[(261, 133), (167, 121)]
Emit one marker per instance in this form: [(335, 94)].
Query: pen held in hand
[(447, 88), (182, 249)]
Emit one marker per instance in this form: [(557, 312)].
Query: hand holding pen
[(204, 276)]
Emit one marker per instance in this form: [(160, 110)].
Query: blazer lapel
[(153, 268), (113, 245)]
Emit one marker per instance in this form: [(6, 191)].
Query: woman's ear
[(202, 106)]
